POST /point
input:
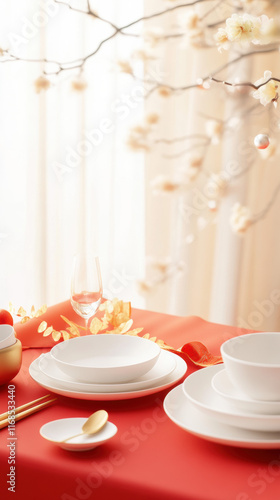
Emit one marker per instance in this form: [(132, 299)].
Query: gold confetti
[(42, 327), (56, 335), (25, 319), (124, 327), (21, 312), (48, 331), (41, 311), (74, 331), (134, 332), (95, 326), (65, 335), (11, 308)]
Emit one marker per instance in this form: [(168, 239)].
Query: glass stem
[(86, 324)]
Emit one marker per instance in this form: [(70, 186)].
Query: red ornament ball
[(6, 318), (261, 141)]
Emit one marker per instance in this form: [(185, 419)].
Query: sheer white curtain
[(67, 178)]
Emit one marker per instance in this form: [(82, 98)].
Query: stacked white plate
[(208, 405), (76, 373)]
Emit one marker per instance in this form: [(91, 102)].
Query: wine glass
[(86, 286)]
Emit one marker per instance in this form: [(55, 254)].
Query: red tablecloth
[(149, 458)]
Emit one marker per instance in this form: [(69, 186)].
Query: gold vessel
[(10, 361)]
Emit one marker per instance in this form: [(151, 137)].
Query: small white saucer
[(198, 389), (223, 386), (58, 430)]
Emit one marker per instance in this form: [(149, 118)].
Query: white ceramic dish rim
[(163, 359), (241, 398), (10, 336), (242, 361), (155, 351), (177, 374), (229, 412), (86, 441), (182, 413)]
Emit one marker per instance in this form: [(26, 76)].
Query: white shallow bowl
[(58, 430), (7, 336), (106, 358), (51, 385), (198, 389), (160, 371), (223, 386), (252, 362)]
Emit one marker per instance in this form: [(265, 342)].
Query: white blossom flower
[(79, 84), (214, 130), (240, 219), (161, 265), (152, 118), (195, 161), (164, 184), (269, 30), (191, 23), (244, 29), (42, 83), (192, 166), (222, 40), (268, 92), (142, 55), (140, 130), (125, 67), (137, 143), (164, 91), (153, 36), (138, 137), (144, 287)]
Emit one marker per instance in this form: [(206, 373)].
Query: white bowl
[(223, 386), (58, 430), (160, 371), (105, 358), (252, 362), (7, 336)]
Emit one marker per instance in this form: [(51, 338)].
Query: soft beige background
[(106, 201)]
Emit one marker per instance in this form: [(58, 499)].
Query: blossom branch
[(245, 84)]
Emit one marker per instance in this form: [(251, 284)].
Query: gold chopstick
[(5, 415), (5, 421)]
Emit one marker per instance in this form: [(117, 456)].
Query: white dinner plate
[(198, 389), (183, 413), (163, 367), (223, 386), (47, 383), (58, 430)]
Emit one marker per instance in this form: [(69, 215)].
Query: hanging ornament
[(261, 141), (212, 205)]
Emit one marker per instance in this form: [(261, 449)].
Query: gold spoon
[(93, 424)]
